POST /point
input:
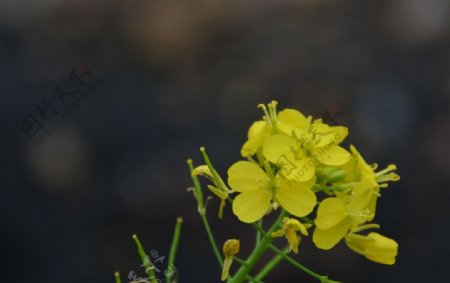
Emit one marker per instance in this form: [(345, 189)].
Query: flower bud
[(230, 248)]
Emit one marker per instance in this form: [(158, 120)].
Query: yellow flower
[(358, 169), (258, 190), (290, 120), (283, 122), (257, 134), (299, 155), (335, 217), (374, 247), (230, 248), (290, 228)]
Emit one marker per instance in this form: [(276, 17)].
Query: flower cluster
[(298, 164)]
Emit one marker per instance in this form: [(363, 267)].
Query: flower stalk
[(149, 268), (173, 250)]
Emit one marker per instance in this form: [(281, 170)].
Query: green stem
[(243, 262), (269, 267), (117, 277), (197, 188), (149, 268), (257, 253), (212, 240), (202, 214), (218, 180), (321, 278), (258, 233), (307, 220), (239, 260), (173, 250), (249, 158)]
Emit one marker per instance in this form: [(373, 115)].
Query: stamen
[(392, 177), (273, 109), (366, 227), (389, 168), (267, 116)]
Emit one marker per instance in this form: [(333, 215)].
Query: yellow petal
[(374, 247), (202, 170), (293, 240), (327, 239), (278, 233), (277, 147), (257, 134), (252, 205), (296, 225), (340, 133), (220, 194), (322, 134), (330, 213), (372, 206), (296, 198), (351, 168), (246, 176), (332, 155), (362, 194), (299, 170), (382, 250), (364, 169), (226, 267), (290, 119), (256, 128)]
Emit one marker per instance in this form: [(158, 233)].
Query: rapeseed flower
[(298, 155), (358, 169), (290, 228), (283, 122), (335, 217), (258, 191), (374, 247)]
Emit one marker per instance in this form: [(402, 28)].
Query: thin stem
[(239, 260), (308, 271), (149, 268), (269, 171), (219, 182), (260, 157), (117, 277), (212, 240), (173, 249), (249, 158), (257, 253), (269, 266), (201, 212), (243, 262), (322, 278), (307, 220), (258, 233), (197, 188)]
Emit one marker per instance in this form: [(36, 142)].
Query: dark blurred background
[(103, 102)]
